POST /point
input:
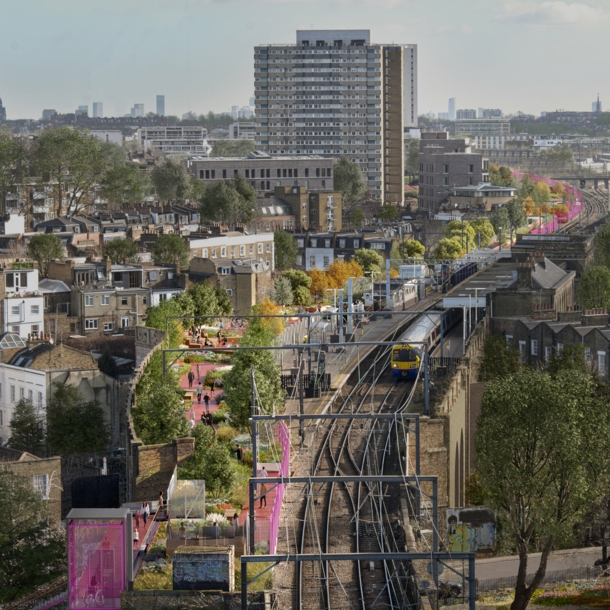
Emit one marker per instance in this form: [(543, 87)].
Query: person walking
[(262, 474), (206, 399), (137, 515), (199, 392), (191, 377), (136, 538), (144, 511), (160, 499)]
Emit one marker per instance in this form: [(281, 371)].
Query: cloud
[(553, 13)]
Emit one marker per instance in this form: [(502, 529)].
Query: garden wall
[(149, 467)]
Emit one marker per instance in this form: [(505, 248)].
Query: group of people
[(142, 514)]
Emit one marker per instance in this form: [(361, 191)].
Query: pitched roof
[(548, 274)]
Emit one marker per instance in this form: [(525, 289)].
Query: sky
[(516, 55)]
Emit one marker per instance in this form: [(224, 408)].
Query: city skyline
[(108, 50)]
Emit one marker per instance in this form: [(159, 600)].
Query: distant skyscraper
[(137, 110), (451, 109), (48, 114), (82, 111), (467, 113), (481, 113), (2, 113), (597, 106), (98, 110), (234, 111), (252, 102), (161, 105)]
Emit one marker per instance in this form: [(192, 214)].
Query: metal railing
[(580, 573)]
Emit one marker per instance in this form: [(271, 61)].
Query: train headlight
[(395, 365)]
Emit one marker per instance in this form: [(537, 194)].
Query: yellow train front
[(406, 360), (407, 355)]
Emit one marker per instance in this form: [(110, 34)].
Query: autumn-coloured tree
[(267, 307), (541, 192), (557, 188), (529, 204), (339, 272), (319, 282)]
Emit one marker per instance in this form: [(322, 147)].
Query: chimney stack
[(524, 276)]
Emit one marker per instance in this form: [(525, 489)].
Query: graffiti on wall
[(471, 530)]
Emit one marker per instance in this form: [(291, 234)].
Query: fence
[(581, 573), (282, 434), (185, 499)]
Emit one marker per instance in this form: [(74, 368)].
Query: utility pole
[(251, 487)]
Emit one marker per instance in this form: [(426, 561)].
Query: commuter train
[(407, 355)]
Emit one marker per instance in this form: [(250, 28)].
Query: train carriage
[(426, 330)]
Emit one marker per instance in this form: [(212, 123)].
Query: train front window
[(405, 354)]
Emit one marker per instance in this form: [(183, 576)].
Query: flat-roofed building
[(174, 139), (266, 172)]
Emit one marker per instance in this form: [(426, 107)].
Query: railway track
[(354, 517), (595, 204)]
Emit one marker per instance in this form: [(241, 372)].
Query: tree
[(232, 148), (569, 358), (410, 248), (156, 317), (357, 217), (349, 181), (171, 249), (500, 359), (27, 429), (483, 231), (602, 246), (285, 250), (500, 176), (229, 202), (297, 278), (541, 193), (526, 187), (267, 307), (561, 153), (558, 188), (302, 296), (517, 217), (500, 221), (44, 248), (171, 181), (369, 260), (388, 213), (282, 291), (538, 444), (319, 283), (74, 162), (33, 551), (211, 462), (247, 199), (121, 251), (125, 185), (462, 231), (594, 288), (412, 159), (237, 385), (339, 271), (107, 364), (12, 164), (73, 425), (209, 300), (448, 248), (159, 416)]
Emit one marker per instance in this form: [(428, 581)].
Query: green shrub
[(225, 433), (219, 416)]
